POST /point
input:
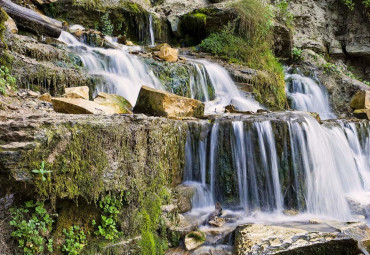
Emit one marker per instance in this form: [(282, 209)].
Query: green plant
[(111, 206), (297, 54), (33, 225), (6, 79), (75, 240), (351, 5), (283, 14), (42, 171), (330, 68), (107, 25)]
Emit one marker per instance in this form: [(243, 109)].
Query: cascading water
[(307, 95), (124, 72), (151, 32), (224, 88), (312, 168)]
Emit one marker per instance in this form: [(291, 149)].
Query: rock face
[(11, 26), (361, 100), (194, 240), (77, 92), (167, 53), (362, 114), (184, 194), (118, 146), (120, 104), (262, 239), (160, 103), (79, 106)]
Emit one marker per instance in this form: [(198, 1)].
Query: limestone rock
[(362, 114), (33, 94), (77, 92), (45, 97), (129, 43), (217, 222), (263, 239), (161, 103), (11, 26), (184, 194), (167, 53), (120, 104), (361, 100), (194, 240), (79, 106)]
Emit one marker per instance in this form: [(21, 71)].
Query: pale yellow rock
[(77, 92), (129, 43), (167, 53), (161, 103), (361, 100), (120, 104), (362, 114), (194, 240), (79, 106), (11, 26), (45, 97)]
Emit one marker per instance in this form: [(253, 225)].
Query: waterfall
[(225, 90), (124, 72), (151, 33), (307, 95), (264, 164)]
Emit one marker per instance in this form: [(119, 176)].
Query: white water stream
[(329, 166), (125, 73), (151, 32), (307, 95)]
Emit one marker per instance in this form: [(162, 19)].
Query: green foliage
[(111, 206), (106, 24), (351, 4), (330, 68), (297, 54), (42, 171), (75, 240), (6, 79), (350, 74), (33, 225), (283, 14)]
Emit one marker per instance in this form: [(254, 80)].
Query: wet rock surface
[(262, 239)]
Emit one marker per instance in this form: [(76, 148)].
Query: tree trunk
[(31, 20)]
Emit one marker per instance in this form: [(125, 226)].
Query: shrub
[(107, 25), (6, 80), (297, 54), (111, 206), (33, 225), (283, 14), (75, 240)]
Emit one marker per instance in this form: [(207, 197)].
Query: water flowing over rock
[(306, 94), (276, 164), (160, 103)]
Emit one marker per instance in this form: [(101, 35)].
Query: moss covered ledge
[(90, 155)]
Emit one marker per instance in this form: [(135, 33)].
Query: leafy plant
[(284, 14), (6, 79), (111, 206), (330, 68), (351, 5), (33, 225), (297, 54), (75, 240), (42, 171), (107, 25)]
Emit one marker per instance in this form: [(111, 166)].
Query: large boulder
[(120, 104), (184, 195), (11, 26), (167, 53), (361, 100), (79, 106), (161, 103), (77, 92), (263, 239)]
